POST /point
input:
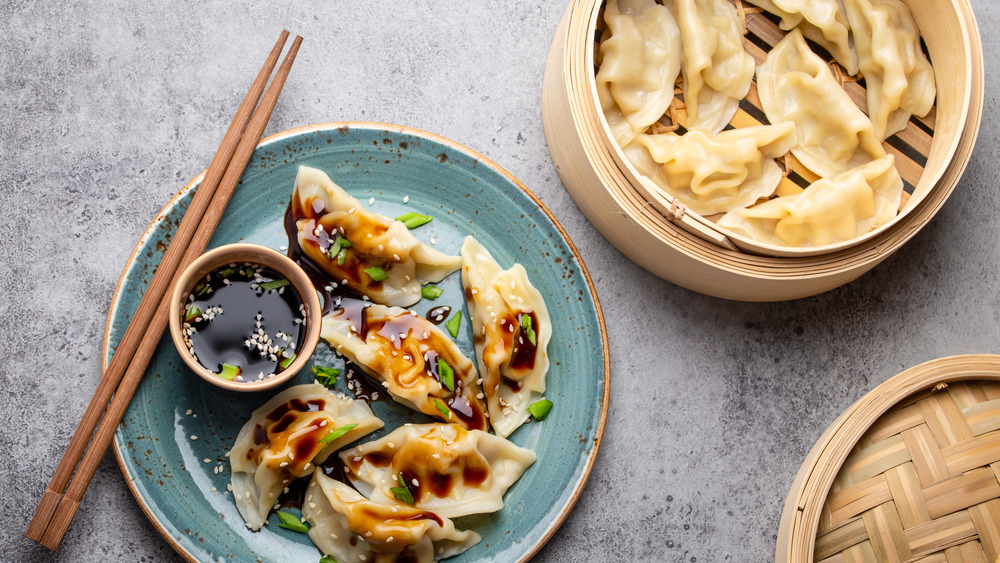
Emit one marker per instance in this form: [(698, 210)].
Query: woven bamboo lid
[(909, 473), (691, 250)]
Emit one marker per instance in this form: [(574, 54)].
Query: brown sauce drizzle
[(438, 314), (522, 357)]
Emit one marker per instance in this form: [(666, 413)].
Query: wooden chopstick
[(59, 509)]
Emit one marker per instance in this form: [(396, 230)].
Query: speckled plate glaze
[(172, 442)]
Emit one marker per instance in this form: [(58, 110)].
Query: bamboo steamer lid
[(911, 472), (651, 229)]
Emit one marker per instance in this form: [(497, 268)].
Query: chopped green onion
[(539, 409), (287, 361), (201, 289), (327, 559), (326, 376), (192, 314), (453, 324), (444, 410), (528, 330), (376, 273), (402, 492), (335, 247), (289, 521), (268, 286), (336, 434), (414, 220), (431, 292), (227, 272), (341, 257), (446, 374), (229, 372)]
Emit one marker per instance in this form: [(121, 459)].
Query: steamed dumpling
[(717, 70), (819, 20), (833, 134), (325, 214), (281, 442), (448, 470), (411, 357), (714, 173), (641, 59), (351, 528), (829, 211), (898, 77), (506, 312)]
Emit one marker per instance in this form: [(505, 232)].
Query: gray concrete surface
[(108, 108)]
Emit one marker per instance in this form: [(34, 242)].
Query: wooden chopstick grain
[(56, 510)]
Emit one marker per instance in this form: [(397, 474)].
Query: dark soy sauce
[(437, 315), (234, 310)]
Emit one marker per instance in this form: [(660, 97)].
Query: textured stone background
[(108, 108)]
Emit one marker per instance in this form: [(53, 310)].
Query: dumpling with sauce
[(511, 329), (286, 438), (445, 469), (350, 243), (416, 362), (349, 527)]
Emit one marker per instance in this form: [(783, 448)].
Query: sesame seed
[(189, 411), (371, 201), (406, 199), (193, 437)]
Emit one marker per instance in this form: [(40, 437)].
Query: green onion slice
[(289, 521), (335, 247), (444, 410), (287, 361), (229, 372), (227, 272), (329, 438), (539, 409), (192, 314), (201, 289), (402, 492), (268, 286), (528, 330), (453, 324), (341, 257), (376, 273), (327, 559), (431, 292), (414, 220), (446, 374), (326, 376)]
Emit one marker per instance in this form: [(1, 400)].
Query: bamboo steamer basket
[(910, 472), (652, 230)]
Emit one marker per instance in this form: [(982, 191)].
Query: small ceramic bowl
[(238, 254)]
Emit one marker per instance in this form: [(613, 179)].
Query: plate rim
[(556, 522)]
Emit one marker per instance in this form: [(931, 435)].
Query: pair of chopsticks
[(123, 374)]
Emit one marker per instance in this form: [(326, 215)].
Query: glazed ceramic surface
[(173, 440)]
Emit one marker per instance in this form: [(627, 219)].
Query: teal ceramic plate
[(171, 445)]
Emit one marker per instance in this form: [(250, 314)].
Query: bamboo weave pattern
[(922, 485)]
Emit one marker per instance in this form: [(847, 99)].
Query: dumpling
[(714, 173), (351, 528), (417, 364), (829, 211), (898, 77), (510, 330), (448, 470), (833, 134), (717, 70), (819, 20), (282, 441), (325, 215), (641, 59)]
